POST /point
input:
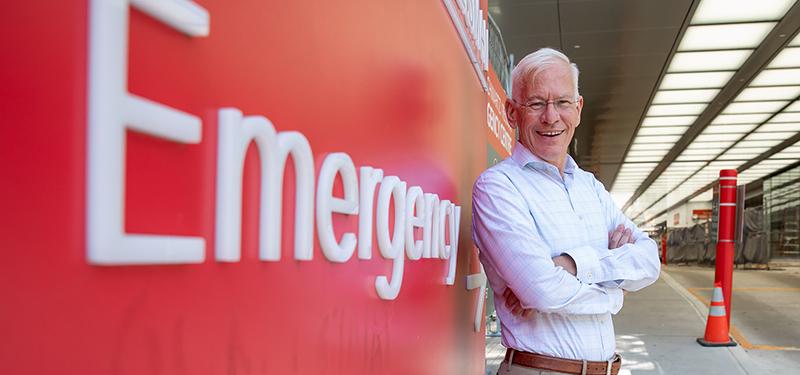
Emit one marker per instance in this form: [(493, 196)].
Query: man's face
[(547, 132)]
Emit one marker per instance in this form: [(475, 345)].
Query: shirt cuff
[(616, 296), (587, 264)]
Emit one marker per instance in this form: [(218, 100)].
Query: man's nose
[(550, 114)]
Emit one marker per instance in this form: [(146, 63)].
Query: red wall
[(387, 82)]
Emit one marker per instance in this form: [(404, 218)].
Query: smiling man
[(558, 253)]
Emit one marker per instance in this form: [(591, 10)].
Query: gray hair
[(535, 62)]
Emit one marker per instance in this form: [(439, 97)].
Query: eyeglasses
[(538, 106)]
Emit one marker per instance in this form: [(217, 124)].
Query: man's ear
[(511, 113), (580, 108)]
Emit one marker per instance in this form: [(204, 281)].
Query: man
[(557, 251)]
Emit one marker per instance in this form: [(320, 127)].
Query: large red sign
[(238, 187)]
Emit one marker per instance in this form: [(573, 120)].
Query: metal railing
[(498, 55)]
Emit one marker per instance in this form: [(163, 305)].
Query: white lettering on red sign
[(112, 110), (470, 24)]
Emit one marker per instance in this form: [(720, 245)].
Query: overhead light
[(780, 127), (685, 166), (647, 153), (722, 11), (633, 176), (623, 182), (676, 109), (694, 157), (794, 107), (708, 60), (795, 42), (788, 155), (677, 175), (778, 162), (740, 150), (769, 93), (650, 146), (743, 157), (788, 58), (718, 137), (703, 151), (663, 130), (676, 167), (726, 36), (758, 136), (756, 143), (685, 96), (620, 180), (754, 107), (700, 152), (628, 178), (639, 167), (695, 80), (775, 77), (786, 117), (629, 159), (668, 121), (722, 164), (716, 129), (634, 173), (658, 139), (756, 118)]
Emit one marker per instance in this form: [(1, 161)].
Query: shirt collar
[(525, 157)]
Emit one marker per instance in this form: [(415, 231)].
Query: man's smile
[(550, 133)]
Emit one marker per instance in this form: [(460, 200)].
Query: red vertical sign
[(356, 78)]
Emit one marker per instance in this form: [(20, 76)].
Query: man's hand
[(619, 237), (567, 263), (512, 302)]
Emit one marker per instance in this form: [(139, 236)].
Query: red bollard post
[(664, 248), (725, 235)]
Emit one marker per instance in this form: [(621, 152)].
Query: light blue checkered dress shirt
[(525, 213)]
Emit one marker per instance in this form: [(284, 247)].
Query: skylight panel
[(668, 121), (754, 107), (788, 58), (724, 11), (726, 36), (775, 77), (708, 60), (695, 80), (676, 109), (769, 93)]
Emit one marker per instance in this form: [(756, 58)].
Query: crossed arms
[(583, 280)]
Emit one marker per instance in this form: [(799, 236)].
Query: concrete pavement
[(657, 327), (765, 312)]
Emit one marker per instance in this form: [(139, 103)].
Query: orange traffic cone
[(717, 324)]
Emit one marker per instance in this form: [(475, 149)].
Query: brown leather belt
[(569, 366)]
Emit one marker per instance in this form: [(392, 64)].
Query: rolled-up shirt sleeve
[(505, 232), (587, 263)]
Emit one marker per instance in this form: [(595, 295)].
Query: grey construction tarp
[(686, 244), (693, 244)]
